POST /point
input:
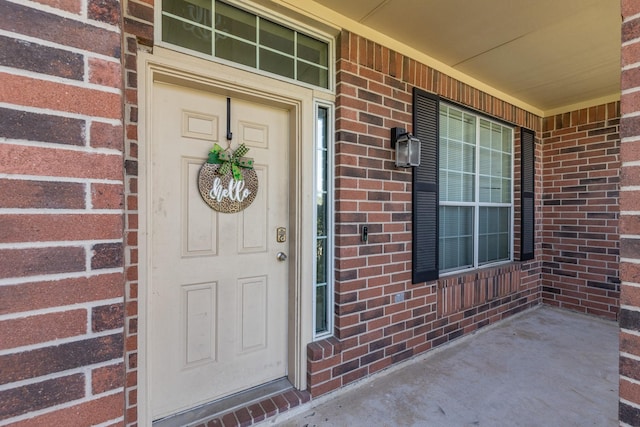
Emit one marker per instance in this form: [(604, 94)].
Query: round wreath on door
[(227, 181)]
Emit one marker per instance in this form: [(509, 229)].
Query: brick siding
[(381, 318), (138, 35), (61, 210), (629, 406), (580, 209), (69, 218)]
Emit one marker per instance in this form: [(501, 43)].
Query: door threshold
[(229, 404)]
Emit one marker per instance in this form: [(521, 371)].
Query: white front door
[(218, 309)]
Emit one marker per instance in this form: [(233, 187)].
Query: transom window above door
[(220, 30)]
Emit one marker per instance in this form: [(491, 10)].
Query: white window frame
[(261, 12), (476, 205), (329, 217)]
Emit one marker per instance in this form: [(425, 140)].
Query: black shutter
[(425, 187), (527, 194)]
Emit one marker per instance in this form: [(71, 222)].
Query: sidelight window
[(323, 295)]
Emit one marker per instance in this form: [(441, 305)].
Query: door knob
[(281, 256)]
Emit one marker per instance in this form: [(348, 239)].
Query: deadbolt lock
[(281, 235)]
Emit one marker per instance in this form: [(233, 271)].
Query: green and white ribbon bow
[(230, 161)]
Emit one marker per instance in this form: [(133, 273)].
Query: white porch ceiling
[(550, 54)]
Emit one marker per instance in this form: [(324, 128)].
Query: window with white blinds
[(475, 190)]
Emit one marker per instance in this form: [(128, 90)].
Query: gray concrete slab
[(545, 367)]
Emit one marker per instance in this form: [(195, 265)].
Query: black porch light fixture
[(407, 148)]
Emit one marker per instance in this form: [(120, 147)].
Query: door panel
[(252, 224), (199, 221), (218, 309), (199, 302), (252, 314)]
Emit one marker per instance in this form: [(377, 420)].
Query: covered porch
[(542, 367)]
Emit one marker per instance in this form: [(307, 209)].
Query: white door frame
[(168, 66)]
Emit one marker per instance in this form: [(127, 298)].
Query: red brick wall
[(372, 330), (580, 210), (61, 222), (138, 35), (630, 217)]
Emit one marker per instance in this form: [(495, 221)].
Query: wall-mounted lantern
[(407, 148)]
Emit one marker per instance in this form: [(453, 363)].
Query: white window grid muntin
[(259, 14), (329, 226), (259, 46), (458, 235), (476, 204)]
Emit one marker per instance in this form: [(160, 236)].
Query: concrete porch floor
[(544, 367)]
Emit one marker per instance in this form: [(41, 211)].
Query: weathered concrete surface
[(546, 367)]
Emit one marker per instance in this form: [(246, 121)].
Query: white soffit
[(553, 55)]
